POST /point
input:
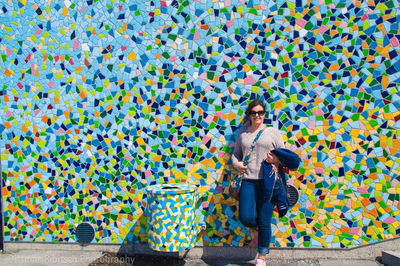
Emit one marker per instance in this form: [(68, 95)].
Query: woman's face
[(257, 115)]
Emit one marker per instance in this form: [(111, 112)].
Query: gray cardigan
[(269, 140)]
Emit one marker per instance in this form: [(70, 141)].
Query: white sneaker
[(260, 262)]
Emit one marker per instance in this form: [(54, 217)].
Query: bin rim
[(171, 189)]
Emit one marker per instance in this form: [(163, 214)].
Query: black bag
[(292, 194)]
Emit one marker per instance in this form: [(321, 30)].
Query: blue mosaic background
[(101, 99)]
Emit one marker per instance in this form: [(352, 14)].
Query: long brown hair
[(253, 104)]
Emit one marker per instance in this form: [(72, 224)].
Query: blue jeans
[(256, 211)]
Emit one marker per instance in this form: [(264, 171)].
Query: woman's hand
[(240, 167), (272, 159)]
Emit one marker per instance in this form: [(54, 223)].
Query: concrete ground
[(49, 254), (97, 258)]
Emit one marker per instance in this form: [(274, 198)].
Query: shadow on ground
[(114, 259)]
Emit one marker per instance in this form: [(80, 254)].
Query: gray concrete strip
[(97, 258), (364, 256), (348, 262), (226, 262)]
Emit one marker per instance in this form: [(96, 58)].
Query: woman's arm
[(237, 156)]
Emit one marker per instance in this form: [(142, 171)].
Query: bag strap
[(252, 147), (282, 173)]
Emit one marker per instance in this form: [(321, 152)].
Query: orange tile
[(366, 202), (385, 81), (7, 72), (373, 212)]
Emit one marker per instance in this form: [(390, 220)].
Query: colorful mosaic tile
[(102, 99)]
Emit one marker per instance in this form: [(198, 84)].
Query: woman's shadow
[(226, 240), (222, 233)]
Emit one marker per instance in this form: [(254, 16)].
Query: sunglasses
[(260, 113)]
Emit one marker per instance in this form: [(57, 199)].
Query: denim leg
[(265, 211), (255, 211), (247, 203), (269, 180)]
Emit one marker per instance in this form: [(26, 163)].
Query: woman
[(254, 209)]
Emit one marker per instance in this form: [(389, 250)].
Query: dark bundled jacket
[(288, 158), (276, 191)]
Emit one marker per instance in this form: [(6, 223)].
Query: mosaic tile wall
[(101, 99)]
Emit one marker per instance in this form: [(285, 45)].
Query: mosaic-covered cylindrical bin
[(171, 217)]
